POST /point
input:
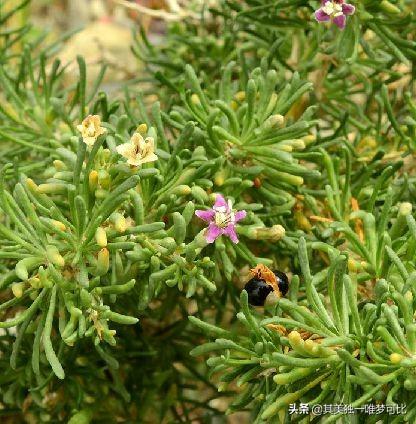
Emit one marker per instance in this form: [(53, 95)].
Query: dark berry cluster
[(258, 289)]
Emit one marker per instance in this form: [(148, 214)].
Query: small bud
[(408, 296), (104, 178), (309, 139), (182, 190), (58, 225), (52, 188), (240, 96), (311, 346), (101, 237), (31, 184), (21, 270), (219, 178), (405, 208), (234, 105), (93, 180), (354, 266), (195, 99), (286, 148), (103, 261), (35, 282), (298, 144), (294, 338), (54, 256), (274, 233), (59, 165), (396, 358), (119, 222), (276, 120), (100, 193), (388, 7), (142, 129), (18, 288)]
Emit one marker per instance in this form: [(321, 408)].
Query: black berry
[(282, 282), (258, 290)]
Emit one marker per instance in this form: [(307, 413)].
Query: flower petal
[(137, 140), (220, 202), (151, 142), (89, 141), (134, 161), (339, 21), (321, 16), (213, 232), (205, 215), (348, 9), (239, 215), (150, 158), (230, 232), (124, 149)]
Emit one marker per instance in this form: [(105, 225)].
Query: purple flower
[(336, 10), (221, 219)]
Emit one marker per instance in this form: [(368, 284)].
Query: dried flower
[(221, 219), (336, 10), (91, 129), (138, 150)]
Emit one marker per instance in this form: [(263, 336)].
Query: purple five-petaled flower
[(222, 219), (337, 10)]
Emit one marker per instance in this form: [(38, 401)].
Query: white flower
[(91, 129), (332, 9), (138, 150)]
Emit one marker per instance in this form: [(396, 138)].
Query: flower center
[(91, 130), (332, 8), (224, 217), (137, 151)]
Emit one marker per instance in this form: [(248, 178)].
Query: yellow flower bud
[(309, 139), (142, 129), (195, 99), (405, 208), (103, 261), (93, 180), (396, 358), (18, 288), (388, 7), (234, 105), (240, 96), (54, 256), (34, 282), (59, 225), (31, 184), (295, 338), (101, 237), (59, 165), (120, 223)]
